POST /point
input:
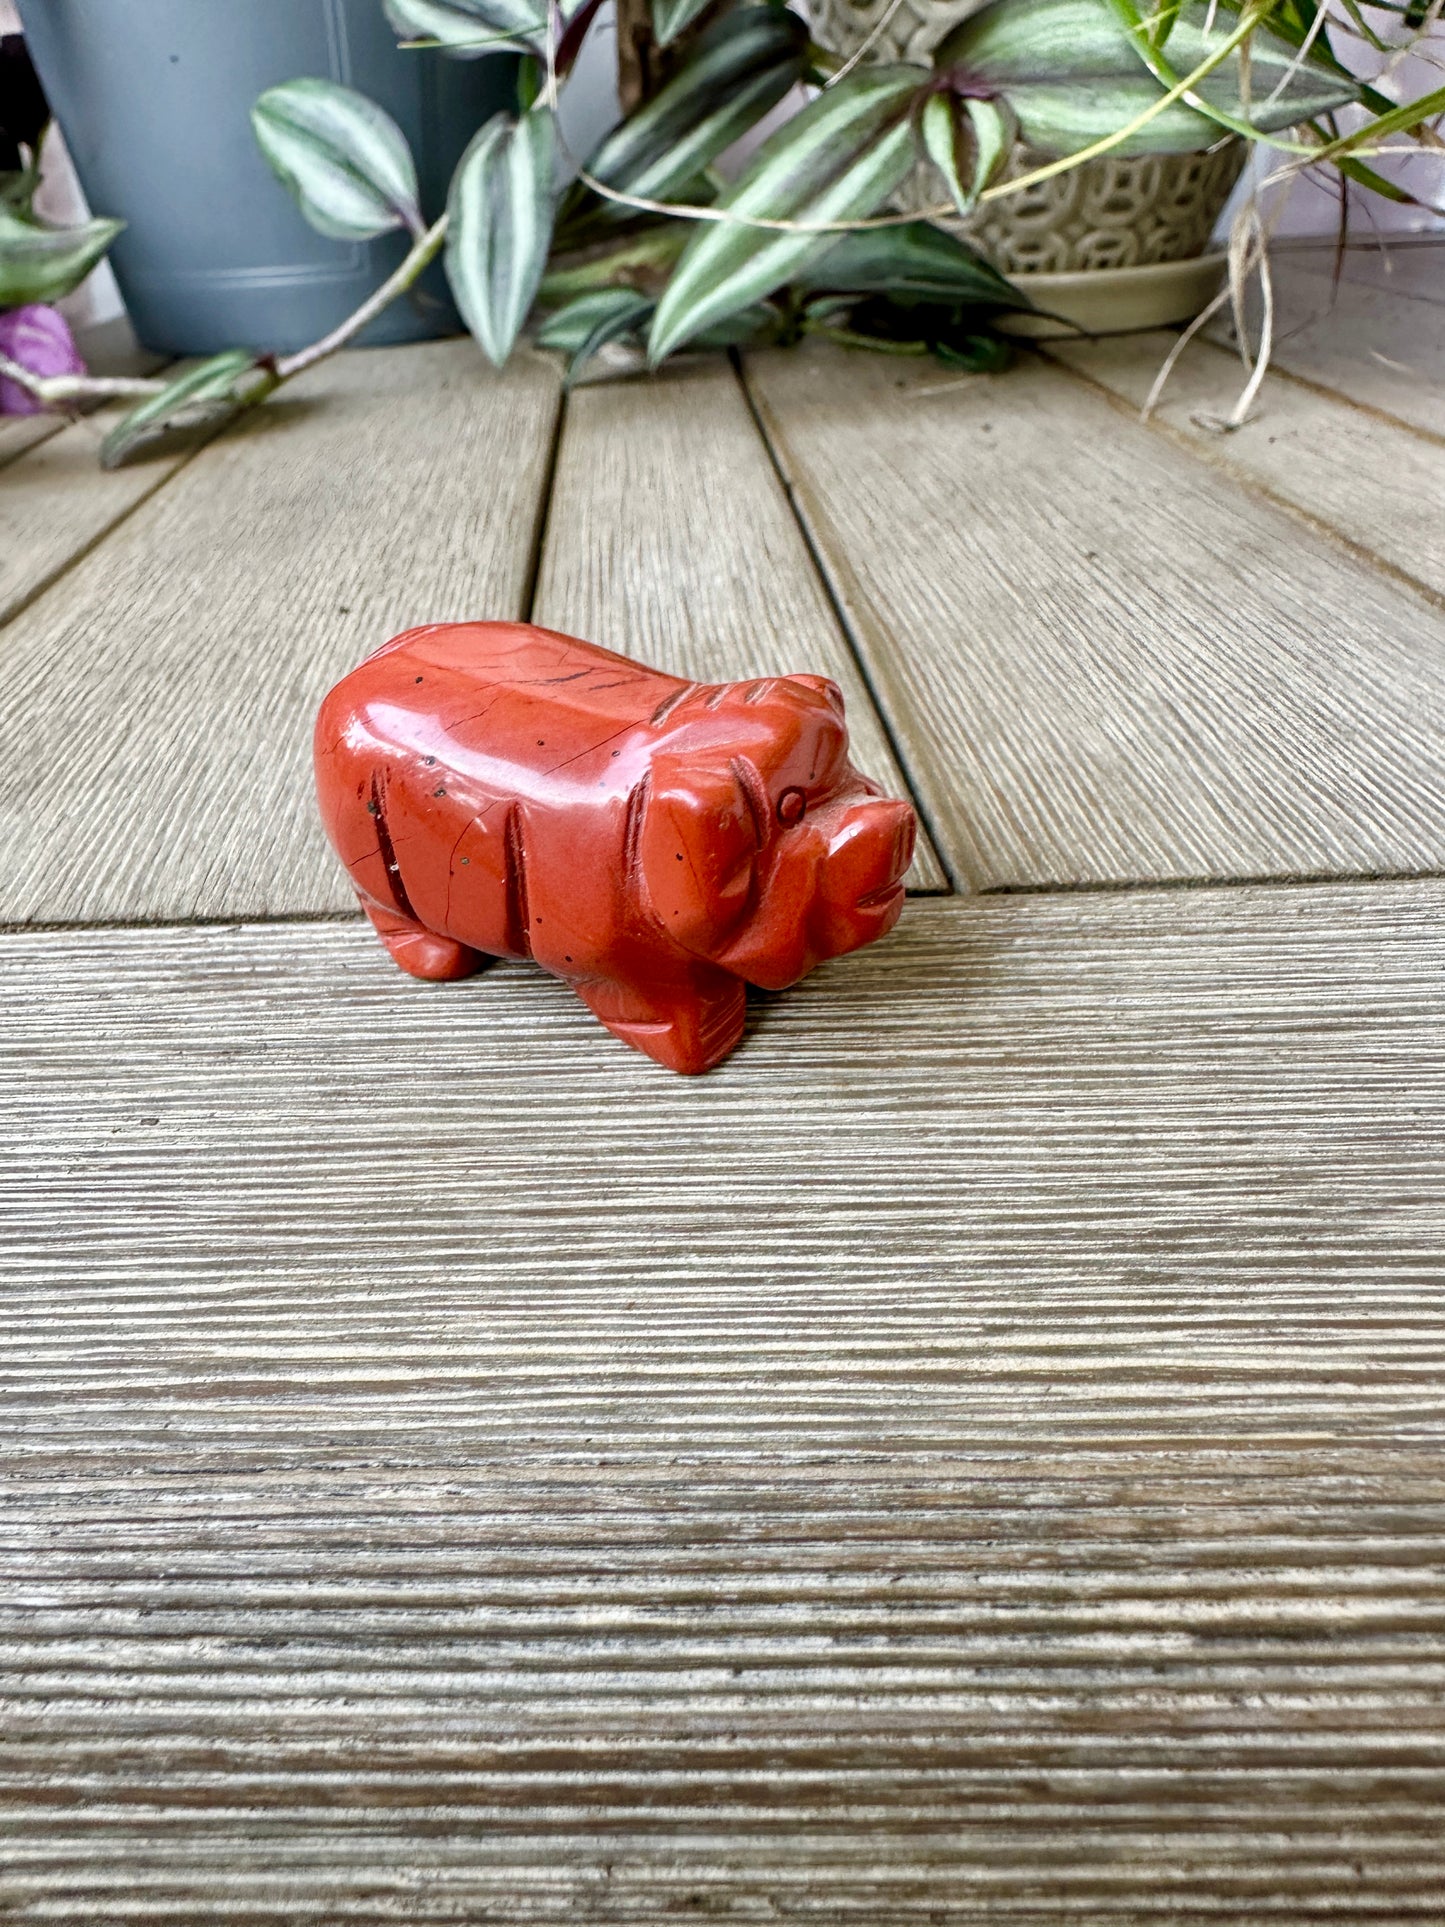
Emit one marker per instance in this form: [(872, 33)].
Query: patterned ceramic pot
[(1113, 213)]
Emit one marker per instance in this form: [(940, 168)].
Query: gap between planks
[(1372, 345), (167, 683), (671, 539), (300, 919), (58, 504), (1101, 666), (840, 616), (1382, 509), (55, 520)]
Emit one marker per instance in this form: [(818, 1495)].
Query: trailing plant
[(652, 245), (38, 263)]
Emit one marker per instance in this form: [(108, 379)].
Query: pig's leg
[(685, 1027), (420, 951)]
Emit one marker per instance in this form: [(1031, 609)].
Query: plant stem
[(56, 391), (425, 251), (847, 338), (1181, 90), (59, 391)]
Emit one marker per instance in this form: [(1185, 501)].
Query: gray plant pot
[(154, 98)]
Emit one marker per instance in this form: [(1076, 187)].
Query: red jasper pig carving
[(498, 789)]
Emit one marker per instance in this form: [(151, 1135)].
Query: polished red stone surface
[(496, 789)]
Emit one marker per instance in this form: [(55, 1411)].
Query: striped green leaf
[(995, 129), (672, 17), (946, 137), (640, 260), (838, 160), (915, 262), (740, 69), (968, 141), (591, 321), (203, 397), (466, 29), (1282, 89), (760, 321), (39, 263), (1073, 73), (344, 159), (500, 213)]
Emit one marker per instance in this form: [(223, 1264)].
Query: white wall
[(1313, 206)]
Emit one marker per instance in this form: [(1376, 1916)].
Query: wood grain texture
[(1381, 347), (58, 502), (1402, 264), (156, 710), (1376, 484), (107, 348), (1101, 662), (977, 1456), (670, 538), (19, 432)]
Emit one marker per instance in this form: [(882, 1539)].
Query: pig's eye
[(792, 807)]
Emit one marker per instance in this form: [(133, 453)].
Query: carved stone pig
[(496, 789)]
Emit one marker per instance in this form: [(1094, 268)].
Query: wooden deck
[(977, 1456)]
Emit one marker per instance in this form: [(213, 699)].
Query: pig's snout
[(869, 850)]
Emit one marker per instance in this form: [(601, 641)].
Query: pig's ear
[(697, 849), (825, 687)]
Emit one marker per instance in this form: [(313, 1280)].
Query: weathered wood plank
[(669, 537), (1403, 264), (19, 432), (975, 1456), (58, 503), (107, 348), (1381, 347), (156, 709), (1102, 663), (1378, 485)]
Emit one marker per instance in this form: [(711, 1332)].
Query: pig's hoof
[(440, 960), (421, 952), (689, 1034)]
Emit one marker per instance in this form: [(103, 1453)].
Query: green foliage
[(650, 242), (968, 141), (994, 126), (40, 263), (1404, 119), (17, 188), (203, 397), (345, 161), (641, 259), (590, 321), (500, 226), (954, 334), (946, 139), (741, 68), (915, 261), (672, 17), (838, 160), (746, 328), (913, 289), (1078, 71), (469, 28), (1281, 91)]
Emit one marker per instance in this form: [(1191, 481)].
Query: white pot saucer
[(1117, 301)]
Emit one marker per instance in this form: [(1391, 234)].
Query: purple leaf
[(40, 340)]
